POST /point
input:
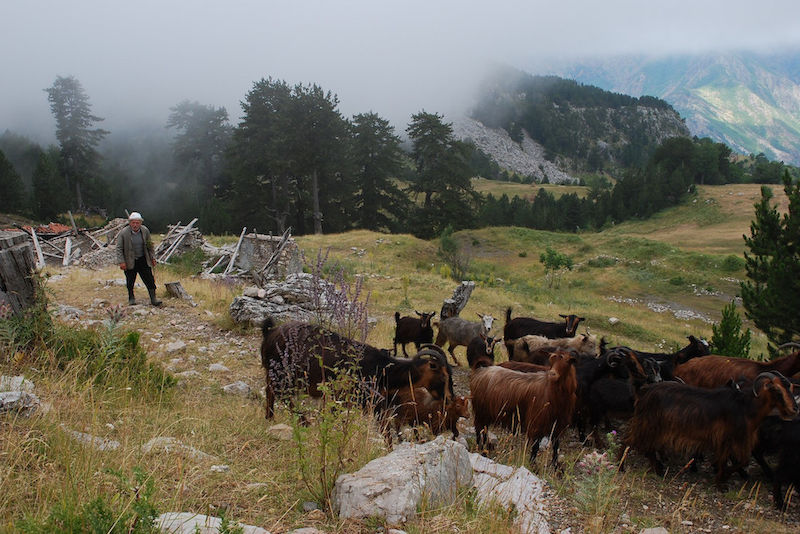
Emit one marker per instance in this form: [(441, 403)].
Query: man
[(135, 254)]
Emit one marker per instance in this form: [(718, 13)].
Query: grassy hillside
[(663, 279)]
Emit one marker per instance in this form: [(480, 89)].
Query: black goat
[(674, 417), (299, 354), (481, 346), (783, 438), (668, 362), (416, 330), (523, 326)]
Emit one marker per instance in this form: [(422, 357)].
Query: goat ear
[(481, 316), (418, 313), (432, 314), (562, 315)]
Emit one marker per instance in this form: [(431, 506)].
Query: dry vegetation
[(639, 273)]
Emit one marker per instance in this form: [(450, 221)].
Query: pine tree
[(728, 338), (69, 104), (12, 190), (771, 295)]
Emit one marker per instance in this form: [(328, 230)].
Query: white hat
[(135, 216)]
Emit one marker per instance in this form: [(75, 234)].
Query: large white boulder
[(394, 485)]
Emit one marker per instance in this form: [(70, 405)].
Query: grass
[(621, 272)]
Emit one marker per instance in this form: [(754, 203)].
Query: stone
[(175, 346), (512, 488), (68, 312), (220, 468), (237, 388), (95, 442), (654, 530), (251, 291), (306, 530), (19, 402), (281, 431), (16, 383), (191, 523), (309, 506), (172, 445), (393, 486), (218, 368), (613, 320)]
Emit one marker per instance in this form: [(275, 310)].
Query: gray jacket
[(125, 247)]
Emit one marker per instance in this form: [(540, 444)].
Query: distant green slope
[(748, 101)]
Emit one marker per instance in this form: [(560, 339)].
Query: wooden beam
[(67, 251), (177, 241), (40, 258), (74, 226), (229, 268)]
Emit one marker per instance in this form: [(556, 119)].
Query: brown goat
[(688, 420), (540, 404), (526, 348), (715, 371), (416, 406), (524, 367), (298, 354)]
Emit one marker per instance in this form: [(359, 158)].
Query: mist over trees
[(294, 161), (80, 161)]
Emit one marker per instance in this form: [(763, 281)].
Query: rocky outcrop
[(525, 158), (394, 485)]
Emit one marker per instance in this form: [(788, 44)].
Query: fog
[(137, 59)]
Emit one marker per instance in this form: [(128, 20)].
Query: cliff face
[(749, 101), (553, 127)]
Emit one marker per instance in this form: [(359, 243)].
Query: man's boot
[(131, 299), (153, 300)]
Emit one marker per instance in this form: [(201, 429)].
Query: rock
[(654, 530), (395, 531), (218, 368), (16, 383), (613, 320), (306, 530), (237, 388), (97, 443), (514, 489), (191, 523), (68, 312), (19, 402), (280, 431), (394, 485), (309, 506), (175, 346), (169, 444), (220, 468), (251, 291)]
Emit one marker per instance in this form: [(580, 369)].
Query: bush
[(728, 338)]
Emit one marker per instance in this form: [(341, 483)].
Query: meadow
[(661, 279)]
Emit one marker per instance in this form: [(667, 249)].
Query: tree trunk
[(452, 307), (17, 265), (315, 200)]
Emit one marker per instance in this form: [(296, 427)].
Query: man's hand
[(123, 266), (153, 261)]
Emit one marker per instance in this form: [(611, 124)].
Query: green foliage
[(771, 295), (555, 264), (12, 190), (453, 255), (442, 176), (104, 356), (130, 510), (728, 338), (187, 264)]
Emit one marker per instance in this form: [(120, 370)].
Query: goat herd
[(687, 403)]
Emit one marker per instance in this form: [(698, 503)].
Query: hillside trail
[(183, 337)]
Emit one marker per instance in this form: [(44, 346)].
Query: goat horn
[(760, 378), (785, 381), (790, 344)]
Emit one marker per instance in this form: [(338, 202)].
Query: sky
[(136, 59)]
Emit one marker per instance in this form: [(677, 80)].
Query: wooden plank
[(67, 251), (74, 226), (211, 270), (177, 242), (40, 258), (229, 268)]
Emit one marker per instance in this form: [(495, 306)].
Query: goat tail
[(508, 315), (396, 317), (266, 326)]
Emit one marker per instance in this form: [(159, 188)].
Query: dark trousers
[(145, 272)]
